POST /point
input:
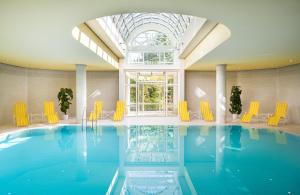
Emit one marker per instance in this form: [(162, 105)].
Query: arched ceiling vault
[(175, 23), (37, 34)]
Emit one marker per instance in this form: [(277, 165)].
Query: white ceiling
[(264, 33)]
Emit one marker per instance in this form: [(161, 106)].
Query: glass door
[(151, 99), (151, 93)]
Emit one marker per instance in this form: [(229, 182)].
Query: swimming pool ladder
[(84, 121)]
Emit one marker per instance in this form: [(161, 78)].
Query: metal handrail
[(84, 118)]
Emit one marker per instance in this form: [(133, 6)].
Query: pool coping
[(289, 128)]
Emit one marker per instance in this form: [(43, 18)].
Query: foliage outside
[(235, 100), (152, 94), (65, 95)]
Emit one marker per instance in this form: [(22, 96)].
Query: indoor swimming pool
[(149, 160)]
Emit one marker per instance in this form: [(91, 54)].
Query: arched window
[(151, 47), (152, 39)]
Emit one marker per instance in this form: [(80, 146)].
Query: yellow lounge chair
[(206, 111), (183, 111), (119, 114), (97, 112), (253, 111), (20, 115), (280, 113), (49, 112)]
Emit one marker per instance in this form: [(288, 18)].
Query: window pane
[(169, 57), (170, 95), (162, 57), (153, 93), (151, 76), (131, 77), (132, 107), (135, 57), (151, 58), (151, 38), (132, 94)]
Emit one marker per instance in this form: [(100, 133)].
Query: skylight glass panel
[(127, 23)]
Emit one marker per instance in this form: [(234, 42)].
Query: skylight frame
[(128, 22)]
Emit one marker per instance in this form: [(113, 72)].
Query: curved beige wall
[(268, 86), (34, 86)]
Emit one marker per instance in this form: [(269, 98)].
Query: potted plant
[(235, 102), (65, 95)]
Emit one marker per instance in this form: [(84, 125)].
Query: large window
[(151, 47), (151, 38), (151, 93), (148, 58)]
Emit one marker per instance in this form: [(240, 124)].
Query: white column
[(121, 80), (221, 93), (80, 91)]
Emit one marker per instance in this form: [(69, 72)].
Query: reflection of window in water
[(151, 182), (152, 143)]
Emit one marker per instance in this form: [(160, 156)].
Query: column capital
[(221, 66), (80, 65)]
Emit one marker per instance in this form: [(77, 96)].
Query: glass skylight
[(175, 23)]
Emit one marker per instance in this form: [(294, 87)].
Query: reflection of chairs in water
[(235, 137), (204, 130), (280, 137), (183, 130), (254, 134), (121, 130)]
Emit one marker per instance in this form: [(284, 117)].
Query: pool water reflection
[(150, 160)]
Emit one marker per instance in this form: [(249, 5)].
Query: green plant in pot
[(65, 95), (235, 102)]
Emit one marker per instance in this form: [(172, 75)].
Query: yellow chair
[(49, 112), (253, 111), (183, 111), (20, 114), (280, 113), (120, 108), (97, 112), (206, 111)]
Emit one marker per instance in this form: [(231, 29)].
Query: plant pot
[(65, 117), (234, 116)]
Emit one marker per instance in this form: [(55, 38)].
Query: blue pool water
[(150, 160)]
